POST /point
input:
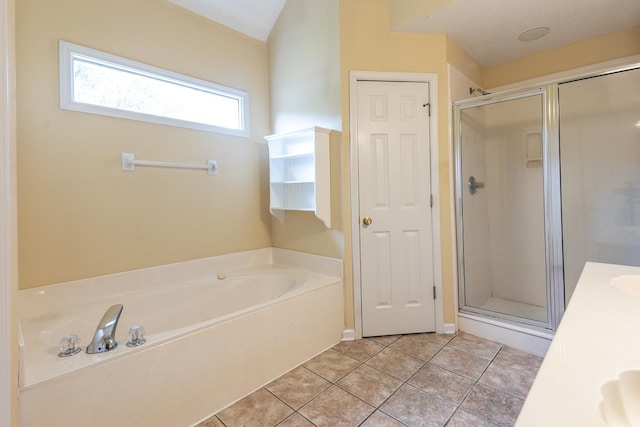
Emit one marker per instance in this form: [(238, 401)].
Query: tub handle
[(136, 336), (69, 346)]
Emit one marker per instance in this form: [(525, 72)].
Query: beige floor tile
[(331, 365), (298, 387), (417, 345), (416, 408), (385, 339), (440, 338), (296, 420), (380, 419), (344, 385), (395, 363), (370, 384), (507, 379), (493, 405), (336, 408), (260, 408), (211, 422), (476, 346), (442, 383), (360, 349), (465, 419), (519, 360), (460, 362)]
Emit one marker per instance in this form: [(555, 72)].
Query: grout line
[(360, 363)]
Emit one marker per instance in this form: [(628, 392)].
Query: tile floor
[(409, 380)]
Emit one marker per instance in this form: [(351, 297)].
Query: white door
[(396, 244)]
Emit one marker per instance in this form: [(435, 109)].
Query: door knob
[(367, 220)]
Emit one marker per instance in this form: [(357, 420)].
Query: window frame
[(69, 51)]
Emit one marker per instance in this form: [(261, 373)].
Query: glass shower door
[(500, 203), (600, 170)]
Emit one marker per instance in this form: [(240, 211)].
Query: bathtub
[(216, 329)]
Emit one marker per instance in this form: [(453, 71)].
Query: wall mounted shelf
[(299, 173)]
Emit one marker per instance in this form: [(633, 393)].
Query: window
[(100, 83)]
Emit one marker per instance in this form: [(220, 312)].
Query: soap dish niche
[(532, 150)]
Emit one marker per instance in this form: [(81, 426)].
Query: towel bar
[(129, 163)]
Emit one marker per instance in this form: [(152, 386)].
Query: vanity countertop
[(598, 338)]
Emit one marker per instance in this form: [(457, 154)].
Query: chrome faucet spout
[(105, 337)]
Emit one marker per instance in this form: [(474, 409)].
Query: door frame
[(382, 76), (8, 224)]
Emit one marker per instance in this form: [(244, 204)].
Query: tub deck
[(178, 367)]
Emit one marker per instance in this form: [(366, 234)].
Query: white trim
[(7, 229), (449, 328), (452, 195), (349, 335), (432, 80), (69, 51)]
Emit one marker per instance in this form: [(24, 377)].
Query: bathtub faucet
[(105, 337)]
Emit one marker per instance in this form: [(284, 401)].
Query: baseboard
[(449, 328), (348, 335)]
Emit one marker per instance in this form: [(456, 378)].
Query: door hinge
[(431, 200), (434, 292), (428, 105)]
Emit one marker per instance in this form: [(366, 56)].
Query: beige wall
[(368, 45), (463, 62), (304, 70), (79, 214), (592, 51), (304, 66)]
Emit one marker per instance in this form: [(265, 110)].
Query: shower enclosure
[(547, 178)]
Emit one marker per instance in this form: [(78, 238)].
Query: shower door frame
[(551, 205)]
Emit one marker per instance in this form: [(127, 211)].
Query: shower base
[(528, 339), (515, 308)]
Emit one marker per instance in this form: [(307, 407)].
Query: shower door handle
[(474, 185)]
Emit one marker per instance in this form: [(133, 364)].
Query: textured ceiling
[(487, 29)]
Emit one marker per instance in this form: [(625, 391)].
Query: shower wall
[(516, 203), (476, 211), (516, 214), (504, 252)]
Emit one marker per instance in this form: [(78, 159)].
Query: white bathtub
[(210, 341)]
